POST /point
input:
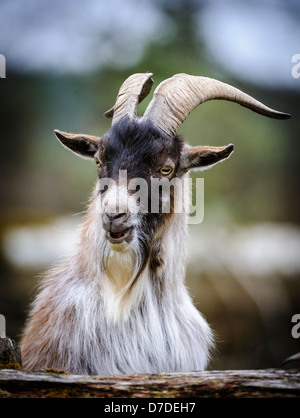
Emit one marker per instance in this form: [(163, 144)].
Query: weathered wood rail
[(18, 383), (212, 384)]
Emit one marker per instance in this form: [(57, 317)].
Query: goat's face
[(133, 158), (131, 155)]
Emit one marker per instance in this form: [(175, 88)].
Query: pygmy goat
[(120, 305)]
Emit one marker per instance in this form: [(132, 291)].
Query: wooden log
[(207, 384)]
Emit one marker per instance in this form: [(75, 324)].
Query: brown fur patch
[(156, 257)]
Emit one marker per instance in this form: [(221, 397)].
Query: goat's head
[(148, 148)]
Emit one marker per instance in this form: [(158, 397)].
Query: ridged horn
[(134, 89), (175, 98)]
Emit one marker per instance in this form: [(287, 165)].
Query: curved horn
[(134, 89), (175, 98)]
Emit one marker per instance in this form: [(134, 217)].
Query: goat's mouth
[(117, 237)]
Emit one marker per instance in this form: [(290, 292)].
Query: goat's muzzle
[(118, 227)]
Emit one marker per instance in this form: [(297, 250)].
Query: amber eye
[(166, 170), (98, 163)]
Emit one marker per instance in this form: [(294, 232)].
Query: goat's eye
[(166, 170), (98, 163)]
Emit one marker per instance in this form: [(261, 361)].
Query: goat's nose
[(115, 221), (111, 217)]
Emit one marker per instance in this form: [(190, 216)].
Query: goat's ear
[(204, 157), (83, 145)]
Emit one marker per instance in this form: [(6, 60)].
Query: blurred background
[(65, 61)]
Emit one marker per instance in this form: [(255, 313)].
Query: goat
[(120, 305)]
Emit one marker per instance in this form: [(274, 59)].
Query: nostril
[(113, 216)]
